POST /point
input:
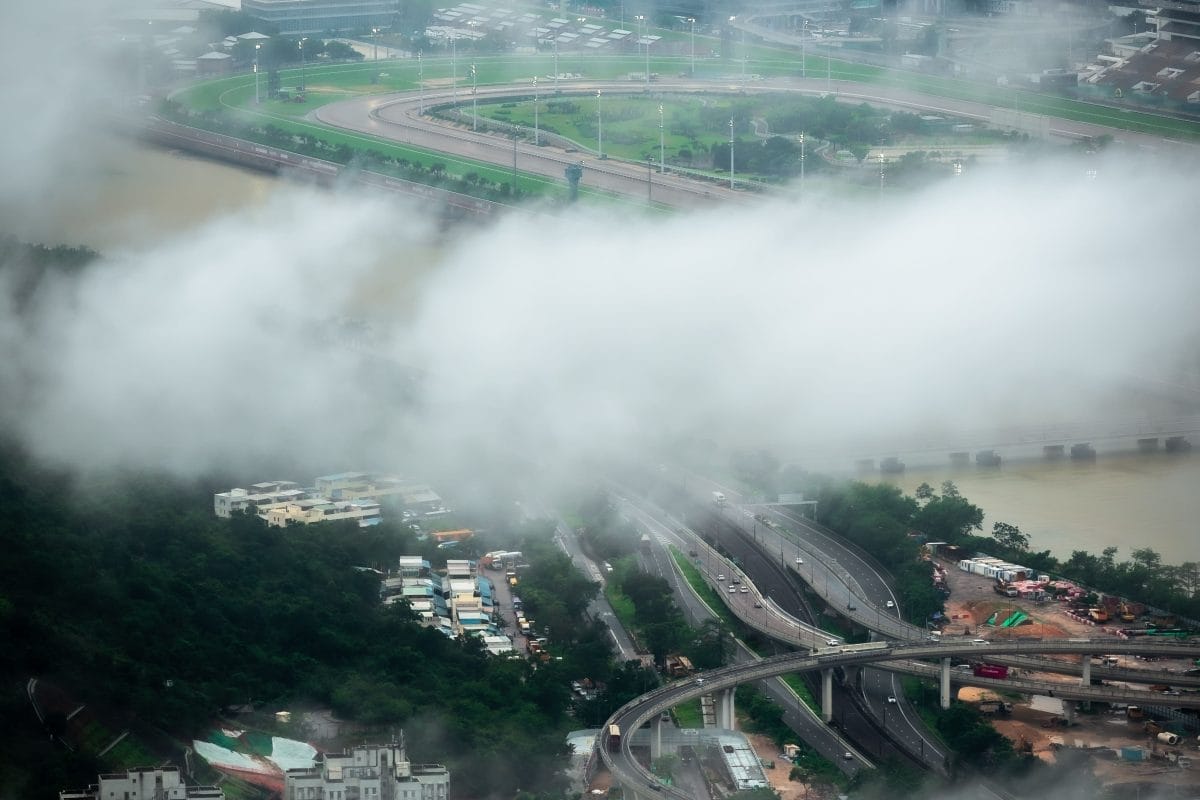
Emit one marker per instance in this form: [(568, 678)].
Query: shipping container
[(614, 738)]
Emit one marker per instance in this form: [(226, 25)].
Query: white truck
[(719, 498)]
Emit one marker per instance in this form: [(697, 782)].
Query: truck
[(644, 543), (614, 738), (719, 498), (990, 671)]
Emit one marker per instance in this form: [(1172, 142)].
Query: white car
[(733, 590), (979, 641), (720, 576), (745, 590), (799, 560), (891, 604), (831, 642), (891, 699)]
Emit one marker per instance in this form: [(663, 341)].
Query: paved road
[(631, 716), (397, 117), (665, 530)]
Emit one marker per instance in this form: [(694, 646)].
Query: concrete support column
[(1069, 711), (728, 719), (656, 738), (827, 695), (945, 693), (1086, 679)]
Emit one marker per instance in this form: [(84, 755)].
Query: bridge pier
[(1069, 712), (827, 695), (1177, 444), (945, 683), (1086, 678), (725, 711), (656, 739), (1053, 452), (1148, 445), (960, 458)]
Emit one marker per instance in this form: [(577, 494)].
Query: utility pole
[(474, 100), (421, 82), (301, 46), (802, 163), (536, 140)]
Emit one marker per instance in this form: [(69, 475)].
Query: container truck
[(719, 498), (990, 671)]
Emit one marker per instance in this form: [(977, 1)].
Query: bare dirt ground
[(972, 602), (778, 775)]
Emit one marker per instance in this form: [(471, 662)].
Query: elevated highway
[(640, 783)]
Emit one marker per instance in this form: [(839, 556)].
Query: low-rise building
[(306, 512), (258, 496), (144, 783), (368, 772)]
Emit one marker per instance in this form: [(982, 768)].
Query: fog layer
[(986, 302)]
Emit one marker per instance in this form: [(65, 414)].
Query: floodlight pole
[(804, 51), (693, 21), (300, 44), (599, 127), (375, 43), (801, 163), (536, 140), (662, 160), (257, 96), (556, 63), (421, 82), (731, 153), (474, 100)]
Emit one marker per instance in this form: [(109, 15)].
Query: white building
[(145, 783), (259, 495), (369, 772)]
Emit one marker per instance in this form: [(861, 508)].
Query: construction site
[(1124, 744)]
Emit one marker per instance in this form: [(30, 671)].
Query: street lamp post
[(536, 140), (454, 71), (474, 100), (257, 97), (662, 158), (556, 64), (731, 153), (421, 82), (375, 43), (693, 20), (599, 127)]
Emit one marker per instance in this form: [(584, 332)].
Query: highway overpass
[(639, 782)]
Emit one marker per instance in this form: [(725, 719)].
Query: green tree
[(1010, 536)]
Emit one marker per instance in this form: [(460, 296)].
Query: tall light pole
[(828, 70), (300, 44), (599, 127), (804, 50), (641, 18), (257, 97), (474, 100), (536, 140), (801, 172), (731, 153), (556, 63), (454, 70), (375, 43), (662, 159), (693, 21), (421, 81)]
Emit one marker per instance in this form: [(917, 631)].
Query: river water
[(1126, 500), (1123, 500), (134, 188)]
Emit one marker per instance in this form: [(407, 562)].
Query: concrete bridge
[(987, 447), (640, 783)]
